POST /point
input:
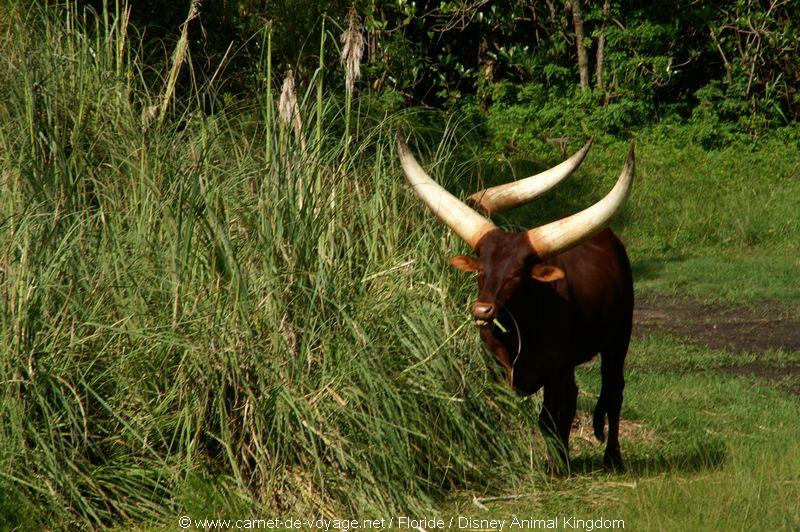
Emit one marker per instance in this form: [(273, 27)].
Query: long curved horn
[(503, 197), (464, 221), (553, 238)]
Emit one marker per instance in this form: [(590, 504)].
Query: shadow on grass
[(692, 457), (652, 267)]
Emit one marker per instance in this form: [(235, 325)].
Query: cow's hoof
[(613, 461), (600, 433)]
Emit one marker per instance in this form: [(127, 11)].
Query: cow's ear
[(546, 273), (465, 263)]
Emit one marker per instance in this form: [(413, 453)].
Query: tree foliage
[(730, 66)]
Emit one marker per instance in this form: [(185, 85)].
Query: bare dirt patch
[(787, 376), (728, 328), (582, 435), (734, 329)]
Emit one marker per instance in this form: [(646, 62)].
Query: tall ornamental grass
[(196, 304)]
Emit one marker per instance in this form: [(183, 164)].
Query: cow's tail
[(599, 419)]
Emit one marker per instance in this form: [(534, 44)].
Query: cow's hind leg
[(599, 419), (610, 402)]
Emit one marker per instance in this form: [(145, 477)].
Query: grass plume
[(288, 110), (178, 58), (352, 40)]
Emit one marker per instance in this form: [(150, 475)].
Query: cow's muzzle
[(483, 313)]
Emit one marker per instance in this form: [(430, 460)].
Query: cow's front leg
[(566, 413), (555, 419)]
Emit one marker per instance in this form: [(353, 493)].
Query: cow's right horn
[(553, 238), (464, 221), (503, 197)]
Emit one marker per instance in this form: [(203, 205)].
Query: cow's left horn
[(553, 238), (464, 221), (503, 197)]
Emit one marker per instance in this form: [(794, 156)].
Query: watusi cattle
[(561, 293)]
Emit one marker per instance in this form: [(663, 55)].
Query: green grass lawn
[(750, 278)]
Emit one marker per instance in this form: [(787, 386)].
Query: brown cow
[(561, 293)]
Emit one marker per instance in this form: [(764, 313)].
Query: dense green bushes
[(730, 69)]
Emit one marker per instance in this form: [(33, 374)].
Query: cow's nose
[(483, 311)]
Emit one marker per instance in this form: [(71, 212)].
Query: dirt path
[(733, 329)]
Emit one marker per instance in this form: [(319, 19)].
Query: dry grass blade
[(178, 58)]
